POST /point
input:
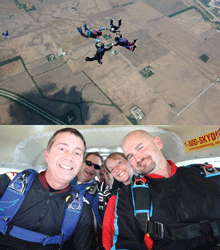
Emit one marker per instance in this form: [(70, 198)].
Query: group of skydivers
[(101, 48), (83, 202)]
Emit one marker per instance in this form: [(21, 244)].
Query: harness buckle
[(137, 179), (19, 184), (44, 242), (75, 203), (159, 229)]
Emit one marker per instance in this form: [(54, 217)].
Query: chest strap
[(182, 231)]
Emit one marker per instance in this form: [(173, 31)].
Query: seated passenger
[(121, 170), (119, 167), (116, 173), (41, 210), (86, 183)]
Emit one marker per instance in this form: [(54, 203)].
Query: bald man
[(184, 212)]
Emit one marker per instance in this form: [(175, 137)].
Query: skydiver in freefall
[(6, 34), (113, 28), (125, 43), (101, 49), (90, 33)]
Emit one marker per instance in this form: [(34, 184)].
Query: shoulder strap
[(14, 196), (141, 196), (207, 169), (15, 193), (72, 214)]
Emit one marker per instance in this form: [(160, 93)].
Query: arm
[(97, 44), (109, 48), (108, 229)]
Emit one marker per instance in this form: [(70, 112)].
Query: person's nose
[(137, 158), (91, 167), (69, 155), (116, 168)]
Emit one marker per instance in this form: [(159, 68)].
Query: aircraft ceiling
[(26, 144)]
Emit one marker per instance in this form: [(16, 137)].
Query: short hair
[(65, 130), (113, 155), (116, 38), (94, 153)]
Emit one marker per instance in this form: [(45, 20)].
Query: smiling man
[(144, 153), (64, 159), (164, 207), (86, 183), (45, 212)]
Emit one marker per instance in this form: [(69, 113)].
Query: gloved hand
[(104, 195), (102, 28)]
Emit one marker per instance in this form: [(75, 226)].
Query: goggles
[(96, 166)]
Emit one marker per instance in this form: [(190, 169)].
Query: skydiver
[(90, 33), (113, 28), (124, 43), (101, 49), (6, 34)]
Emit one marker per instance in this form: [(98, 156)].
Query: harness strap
[(142, 202), (207, 169), (31, 236), (181, 231), (14, 196), (142, 206)]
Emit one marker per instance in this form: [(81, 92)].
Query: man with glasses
[(86, 183)]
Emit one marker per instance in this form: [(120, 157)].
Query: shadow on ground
[(69, 107)]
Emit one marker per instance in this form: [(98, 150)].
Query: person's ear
[(46, 155), (158, 142)]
